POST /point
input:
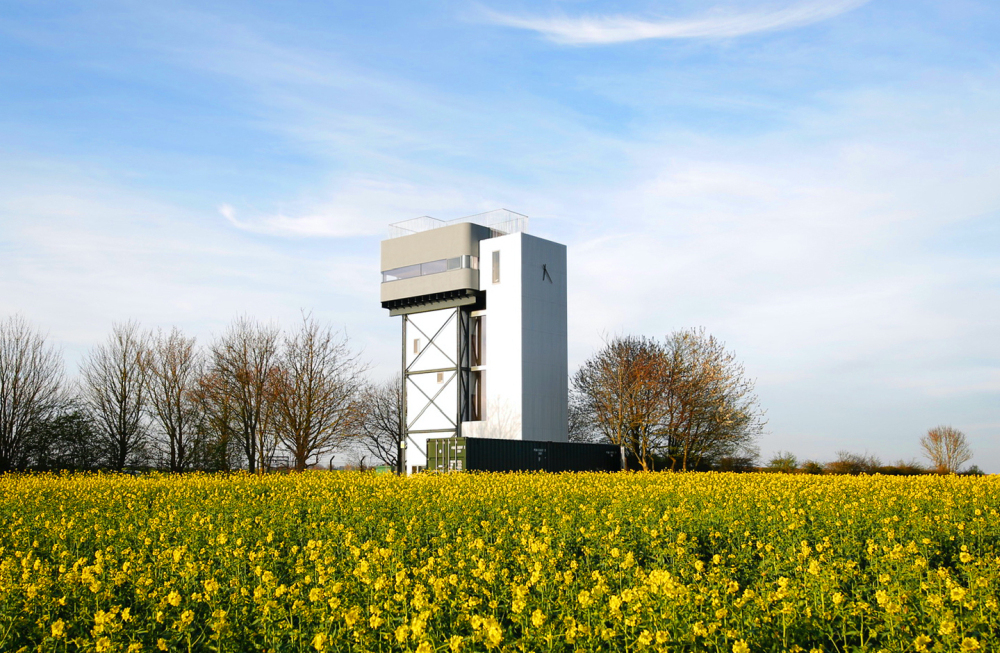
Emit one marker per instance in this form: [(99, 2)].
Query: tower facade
[(483, 311)]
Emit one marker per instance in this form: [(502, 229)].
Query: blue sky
[(815, 182)]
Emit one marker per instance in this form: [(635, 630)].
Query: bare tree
[(580, 423), (317, 389), (244, 363), (685, 401), (712, 410), (218, 428), (174, 370), (115, 392), (380, 429), (946, 448), (31, 375), (622, 388)]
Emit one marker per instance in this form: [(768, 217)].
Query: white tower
[(483, 308)]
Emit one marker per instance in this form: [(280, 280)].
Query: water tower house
[(483, 308)]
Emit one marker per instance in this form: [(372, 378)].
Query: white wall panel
[(526, 373), (502, 376)]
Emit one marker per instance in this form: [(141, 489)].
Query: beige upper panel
[(436, 244)]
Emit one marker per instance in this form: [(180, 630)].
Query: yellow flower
[(315, 594), (174, 598), (319, 641), (494, 634), (584, 598), (537, 618), (970, 644), (645, 639), (402, 633), (455, 643), (964, 557), (741, 647), (424, 647), (103, 644), (921, 642), (161, 644)]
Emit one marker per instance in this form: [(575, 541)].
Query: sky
[(814, 182)]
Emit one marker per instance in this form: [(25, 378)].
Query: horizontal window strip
[(466, 262)]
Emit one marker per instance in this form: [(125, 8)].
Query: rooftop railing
[(500, 222)]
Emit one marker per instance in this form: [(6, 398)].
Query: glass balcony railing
[(499, 221), (431, 267)]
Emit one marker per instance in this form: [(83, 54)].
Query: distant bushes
[(851, 464)]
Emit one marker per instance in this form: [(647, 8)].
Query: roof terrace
[(500, 222)]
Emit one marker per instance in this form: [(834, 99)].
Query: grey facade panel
[(447, 242), (545, 378)]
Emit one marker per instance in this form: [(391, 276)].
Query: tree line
[(253, 399), (257, 398), (945, 448)]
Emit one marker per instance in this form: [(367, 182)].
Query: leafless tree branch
[(31, 377), (114, 387)]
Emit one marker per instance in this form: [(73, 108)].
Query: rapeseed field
[(526, 562)]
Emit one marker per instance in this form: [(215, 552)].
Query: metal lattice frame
[(459, 356)]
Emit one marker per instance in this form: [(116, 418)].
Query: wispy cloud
[(718, 24), (356, 206)]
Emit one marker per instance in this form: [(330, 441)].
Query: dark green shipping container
[(495, 455)]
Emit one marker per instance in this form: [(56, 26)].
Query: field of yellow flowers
[(612, 562)]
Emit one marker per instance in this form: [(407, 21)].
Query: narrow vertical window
[(416, 345), (476, 340), (440, 377), (496, 267), (477, 396)]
